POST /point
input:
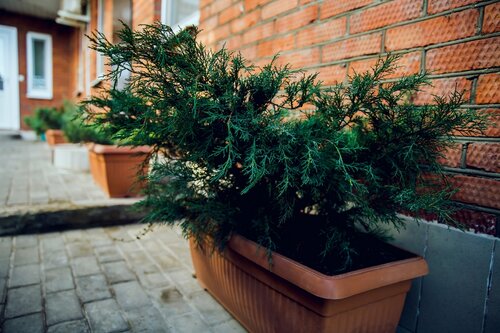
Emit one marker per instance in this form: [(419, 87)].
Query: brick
[(23, 301), (451, 27), (273, 46), (105, 316), (300, 59), (479, 222), (488, 89), (246, 21), (491, 20), (472, 55), (443, 87), (336, 7), (27, 324), (218, 6), (322, 32), (277, 7), (451, 156), (217, 34), (385, 14), (230, 13), (297, 19), (92, 288), (209, 23), (352, 47), (332, 74), (258, 32), (25, 275), (494, 118), (251, 4), (436, 6), (485, 156), (58, 279), (62, 306), (476, 190)]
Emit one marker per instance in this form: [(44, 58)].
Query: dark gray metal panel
[(492, 323), (413, 239), (453, 293)]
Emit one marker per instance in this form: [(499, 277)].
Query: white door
[(9, 79)]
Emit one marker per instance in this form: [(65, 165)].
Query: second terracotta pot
[(55, 137), (115, 168)]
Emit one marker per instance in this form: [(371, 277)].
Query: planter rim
[(330, 286), (54, 131), (114, 149)]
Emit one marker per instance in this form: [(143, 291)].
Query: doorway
[(9, 79)]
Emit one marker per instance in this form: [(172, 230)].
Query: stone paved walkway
[(28, 180), (104, 280)]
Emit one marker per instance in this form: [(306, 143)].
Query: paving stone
[(454, 291), (52, 244), (108, 254), (26, 324), (62, 306), (77, 326), (73, 236), (26, 256), (5, 248), (3, 287), (24, 300), (92, 288), (117, 272), (154, 280), (185, 281), (231, 326), (189, 322), (105, 316), (25, 275), (80, 249), (58, 279), (130, 295), (170, 301), (4, 268), (492, 322), (85, 266), (146, 319), (167, 262), (212, 311), (55, 259)]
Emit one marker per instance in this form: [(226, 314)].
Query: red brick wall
[(145, 12), (64, 70), (458, 41)]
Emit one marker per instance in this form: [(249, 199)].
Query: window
[(180, 13), (39, 71), (99, 67)]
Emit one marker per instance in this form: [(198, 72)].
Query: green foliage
[(240, 160), (76, 130), (44, 119)]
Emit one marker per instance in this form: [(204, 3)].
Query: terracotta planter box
[(55, 137), (295, 298), (115, 168)]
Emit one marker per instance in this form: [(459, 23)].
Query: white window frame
[(32, 92), (99, 60), (167, 6)]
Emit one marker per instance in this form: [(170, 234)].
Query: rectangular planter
[(115, 168), (55, 137), (295, 298)]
